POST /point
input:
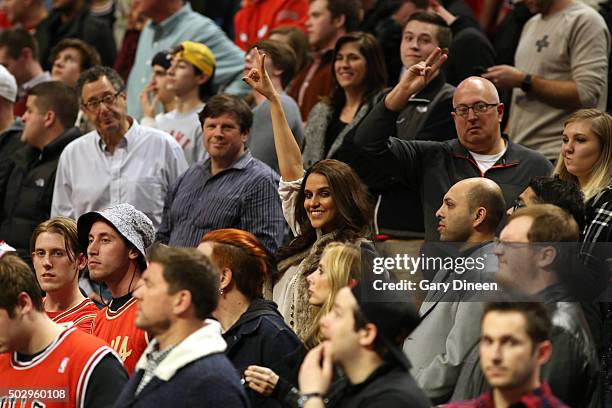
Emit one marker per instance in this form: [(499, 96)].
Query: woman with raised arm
[(326, 203)]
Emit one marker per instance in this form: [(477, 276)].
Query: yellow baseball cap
[(198, 55)]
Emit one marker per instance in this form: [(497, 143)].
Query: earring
[(221, 291)]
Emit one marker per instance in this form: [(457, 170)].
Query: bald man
[(480, 150), (450, 326)]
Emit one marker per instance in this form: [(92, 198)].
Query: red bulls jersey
[(82, 315), (118, 329), (59, 375)]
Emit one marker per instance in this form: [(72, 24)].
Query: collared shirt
[(154, 358), (140, 171), (242, 196), (538, 398), (184, 25)]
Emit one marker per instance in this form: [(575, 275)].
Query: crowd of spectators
[(214, 203)]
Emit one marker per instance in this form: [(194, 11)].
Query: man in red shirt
[(42, 363), (116, 239), (327, 21), (58, 262), (514, 344)]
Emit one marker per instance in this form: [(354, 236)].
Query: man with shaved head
[(450, 326), (480, 150)]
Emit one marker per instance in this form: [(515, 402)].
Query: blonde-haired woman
[(586, 159), (340, 265)]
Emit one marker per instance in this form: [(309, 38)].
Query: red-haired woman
[(254, 330)]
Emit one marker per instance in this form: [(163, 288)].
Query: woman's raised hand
[(258, 78)]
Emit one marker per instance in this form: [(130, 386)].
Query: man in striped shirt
[(230, 189)]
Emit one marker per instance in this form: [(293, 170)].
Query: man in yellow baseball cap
[(190, 78)]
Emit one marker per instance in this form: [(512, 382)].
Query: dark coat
[(94, 31), (10, 142), (209, 382), (433, 167), (195, 373), (29, 191), (261, 337)]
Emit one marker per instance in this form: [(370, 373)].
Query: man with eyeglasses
[(120, 161), (433, 167), (536, 251)]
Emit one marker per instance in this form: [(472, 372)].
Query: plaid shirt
[(154, 358), (598, 226), (538, 398)]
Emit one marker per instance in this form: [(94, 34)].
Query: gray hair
[(96, 72)]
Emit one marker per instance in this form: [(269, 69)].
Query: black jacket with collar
[(261, 337), (29, 191), (433, 167), (399, 213)]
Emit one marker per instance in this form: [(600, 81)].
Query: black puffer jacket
[(29, 191)]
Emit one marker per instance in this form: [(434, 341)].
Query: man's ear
[(367, 335), (50, 119), (479, 217), (500, 111), (245, 136), (339, 21), (181, 302), (81, 261), (544, 351), (546, 256), (133, 253), (26, 53), (202, 79)]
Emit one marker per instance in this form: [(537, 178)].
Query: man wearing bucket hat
[(115, 240), (190, 78), (363, 337)]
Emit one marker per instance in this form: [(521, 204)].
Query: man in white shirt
[(120, 161)]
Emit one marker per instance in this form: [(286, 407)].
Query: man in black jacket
[(433, 167), (72, 19), (535, 259), (52, 108)]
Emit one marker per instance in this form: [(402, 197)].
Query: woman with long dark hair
[(326, 203), (359, 75)]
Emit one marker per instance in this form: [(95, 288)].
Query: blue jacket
[(195, 373)]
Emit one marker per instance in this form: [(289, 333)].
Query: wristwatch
[(301, 401), (526, 83)]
